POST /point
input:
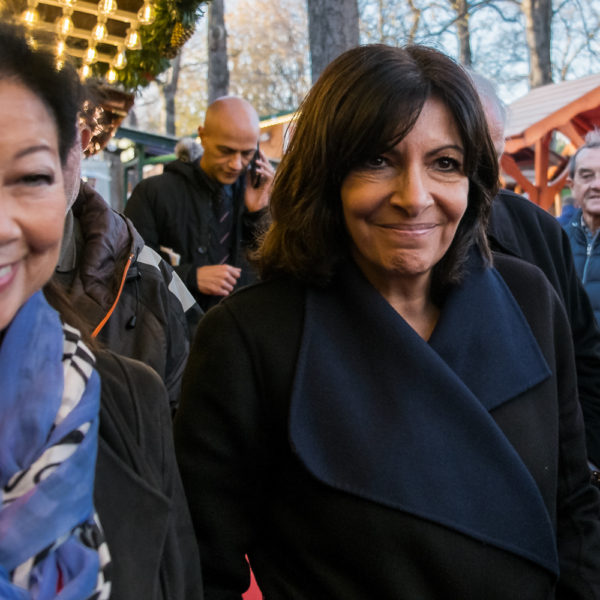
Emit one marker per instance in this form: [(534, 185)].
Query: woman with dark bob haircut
[(391, 413), (91, 502), (368, 110)]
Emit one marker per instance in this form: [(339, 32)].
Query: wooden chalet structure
[(533, 158)]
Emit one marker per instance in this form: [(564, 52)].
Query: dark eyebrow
[(33, 149), (434, 151), (447, 147)]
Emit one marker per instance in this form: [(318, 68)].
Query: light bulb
[(133, 41), (85, 71), (60, 48), (111, 76), (107, 7), (91, 54), (64, 25), (146, 14), (99, 32), (30, 17), (120, 61), (59, 64)]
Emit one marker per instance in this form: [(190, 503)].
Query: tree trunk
[(169, 92), (416, 20), (332, 28), (218, 70), (461, 8), (538, 23)]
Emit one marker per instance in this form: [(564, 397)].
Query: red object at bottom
[(60, 584), (253, 592)]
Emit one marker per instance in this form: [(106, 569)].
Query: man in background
[(520, 228), (203, 215), (583, 227), (133, 301), (568, 209)]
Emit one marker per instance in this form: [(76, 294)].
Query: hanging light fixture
[(111, 76), (91, 54), (100, 32), (120, 61), (107, 7), (132, 40), (70, 24), (61, 46), (64, 25), (147, 13), (85, 71), (30, 16)]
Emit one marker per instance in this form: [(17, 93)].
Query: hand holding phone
[(254, 175)]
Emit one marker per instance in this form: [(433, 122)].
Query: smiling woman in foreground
[(391, 413), (91, 503)]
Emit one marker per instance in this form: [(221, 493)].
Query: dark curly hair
[(59, 90), (363, 104)]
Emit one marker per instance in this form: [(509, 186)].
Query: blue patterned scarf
[(51, 543)]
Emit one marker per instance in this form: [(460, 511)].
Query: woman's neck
[(411, 299), (419, 312)]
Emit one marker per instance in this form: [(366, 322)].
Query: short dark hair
[(592, 140), (58, 89), (364, 102)]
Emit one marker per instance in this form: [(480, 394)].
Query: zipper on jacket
[(588, 254), (112, 308)]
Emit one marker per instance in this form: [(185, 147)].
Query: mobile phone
[(254, 175)]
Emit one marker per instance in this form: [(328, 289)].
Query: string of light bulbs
[(64, 28)]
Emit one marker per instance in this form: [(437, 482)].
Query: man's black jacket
[(174, 210), (520, 228)]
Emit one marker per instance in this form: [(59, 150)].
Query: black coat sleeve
[(164, 293), (578, 528), (138, 490), (577, 524), (148, 209), (519, 228), (218, 450), (253, 224)]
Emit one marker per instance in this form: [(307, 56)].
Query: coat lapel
[(379, 413), (486, 340)]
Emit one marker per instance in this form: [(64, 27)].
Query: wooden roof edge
[(557, 119), (532, 97)]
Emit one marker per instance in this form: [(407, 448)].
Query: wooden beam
[(560, 117), (511, 168), (568, 129), (514, 144), (546, 198), (541, 160), (559, 183)]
